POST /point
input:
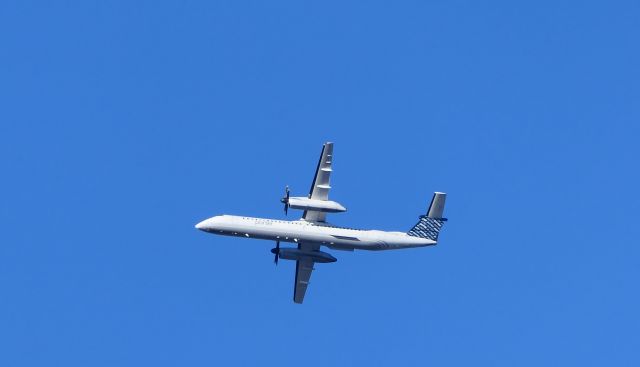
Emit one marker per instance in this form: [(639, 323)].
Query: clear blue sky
[(124, 123)]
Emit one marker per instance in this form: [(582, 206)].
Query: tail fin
[(429, 225)]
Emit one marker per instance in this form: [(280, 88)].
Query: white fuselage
[(310, 232)]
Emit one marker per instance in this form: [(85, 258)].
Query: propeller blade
[(276, 251), (285, 200)]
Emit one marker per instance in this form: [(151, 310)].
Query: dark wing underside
[(303, 273)]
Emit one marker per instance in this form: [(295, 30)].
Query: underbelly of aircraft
[(323, 238)]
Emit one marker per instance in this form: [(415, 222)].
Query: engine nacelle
[(315, 256), (304, 203)]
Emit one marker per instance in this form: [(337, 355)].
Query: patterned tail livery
[(429, 225)]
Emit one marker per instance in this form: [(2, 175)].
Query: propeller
[(285, 200), (276, 251)]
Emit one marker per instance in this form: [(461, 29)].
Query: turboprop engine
[(297, 254), (303, 203)]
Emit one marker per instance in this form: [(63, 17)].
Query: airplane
[(312, 231)]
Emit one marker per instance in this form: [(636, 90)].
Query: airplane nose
[(202, 225)]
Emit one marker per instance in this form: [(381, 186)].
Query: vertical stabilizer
[(436, 208), (429, 225)]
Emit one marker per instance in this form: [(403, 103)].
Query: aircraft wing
[(320, 186), (303, 273)]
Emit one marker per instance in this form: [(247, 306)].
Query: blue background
[(122, 124)]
